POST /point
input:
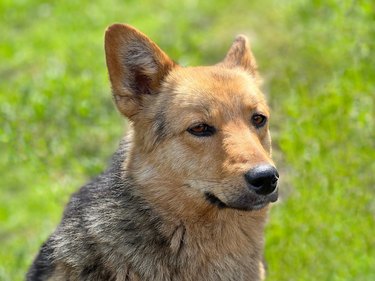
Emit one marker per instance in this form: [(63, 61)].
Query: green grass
[(59, 126)]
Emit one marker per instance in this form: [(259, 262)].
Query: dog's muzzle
[(261, 183)]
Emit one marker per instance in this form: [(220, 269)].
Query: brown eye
[(258, 120), (202, 130)]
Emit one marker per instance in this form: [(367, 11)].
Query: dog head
[(204, 129)]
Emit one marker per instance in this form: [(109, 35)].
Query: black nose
[(262, 179)]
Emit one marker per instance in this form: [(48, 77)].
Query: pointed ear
[(136, 66), (240, 55)]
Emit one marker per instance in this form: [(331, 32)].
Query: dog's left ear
[(136, 66), (240, 55)]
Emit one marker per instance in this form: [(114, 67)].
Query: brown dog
[(186, 195)]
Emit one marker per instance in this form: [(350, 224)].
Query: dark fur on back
[(103, 225)]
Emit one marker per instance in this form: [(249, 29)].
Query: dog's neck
[(199, 232)]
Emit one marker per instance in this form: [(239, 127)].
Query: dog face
[(204, 129)]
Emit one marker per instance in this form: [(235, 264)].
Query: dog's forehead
[(214, 86)]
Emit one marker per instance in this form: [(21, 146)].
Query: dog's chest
[(204, 256)]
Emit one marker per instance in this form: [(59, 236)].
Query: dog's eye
[(202, 130), (258, 120)]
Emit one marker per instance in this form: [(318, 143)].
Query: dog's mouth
[(214, 200), (244, 202)]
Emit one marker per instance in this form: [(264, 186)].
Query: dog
[(187, 193)]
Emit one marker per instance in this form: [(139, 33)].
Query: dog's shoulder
[(91, 219)]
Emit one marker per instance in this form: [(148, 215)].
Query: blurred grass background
[(59, 127)]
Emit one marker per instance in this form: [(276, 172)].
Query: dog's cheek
[(185, 161)]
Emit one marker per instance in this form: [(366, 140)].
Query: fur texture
[(172, 205)]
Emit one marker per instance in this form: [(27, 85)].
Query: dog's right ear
[(136, 67)]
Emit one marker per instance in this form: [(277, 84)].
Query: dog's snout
[(262, 179)]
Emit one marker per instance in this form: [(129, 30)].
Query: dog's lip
[(270, 198), (273, 196), (258, 202), (258, 206)]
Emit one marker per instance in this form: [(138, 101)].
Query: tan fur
[(174, 204), (173, 174)]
